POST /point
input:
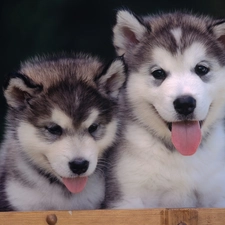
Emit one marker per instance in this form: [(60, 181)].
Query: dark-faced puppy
[(62, 117)]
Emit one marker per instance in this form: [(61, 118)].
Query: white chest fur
[(152, 176)]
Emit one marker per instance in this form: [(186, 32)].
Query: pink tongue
[(186, 136), (75, 185)]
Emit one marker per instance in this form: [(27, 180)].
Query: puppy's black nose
[(185, 105), (79, 166)]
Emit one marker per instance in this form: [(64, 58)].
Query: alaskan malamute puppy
[(172, 153), (62, 117)]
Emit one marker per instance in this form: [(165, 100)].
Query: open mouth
[(76, 184), (186, 136), (169, 125)]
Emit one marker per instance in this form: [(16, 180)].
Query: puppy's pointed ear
[(128, 31), (218, 29), (19, 89), (112, 79)]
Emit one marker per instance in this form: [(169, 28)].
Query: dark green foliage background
[(31, 27)]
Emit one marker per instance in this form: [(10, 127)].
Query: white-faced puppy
[(62, 117), (172, 153)]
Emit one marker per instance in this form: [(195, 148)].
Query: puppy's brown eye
[(201, 70), (55, 129), (92, 128), (159, 74)]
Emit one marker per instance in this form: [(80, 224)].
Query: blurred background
[(35, 27)]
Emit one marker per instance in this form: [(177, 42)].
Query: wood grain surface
[(162, 216)]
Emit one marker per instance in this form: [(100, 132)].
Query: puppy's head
[(176, 67), (63, 111)]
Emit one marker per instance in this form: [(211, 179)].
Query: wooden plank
[(118, 217), (92, 217), (195, 216), (211, 216), (182, 217)]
